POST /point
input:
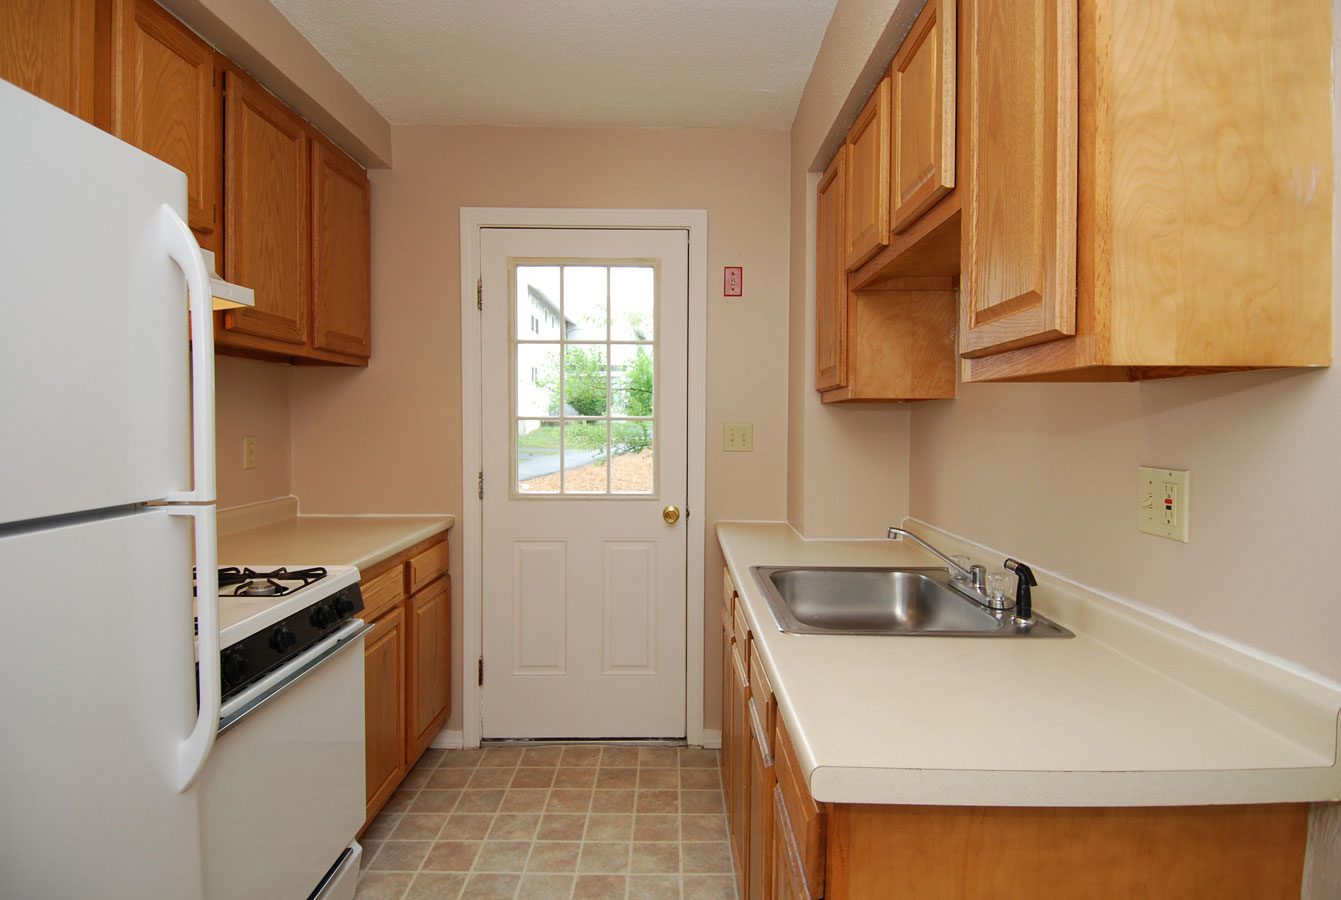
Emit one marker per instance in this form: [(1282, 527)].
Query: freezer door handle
[(195, 749), (183, 249)]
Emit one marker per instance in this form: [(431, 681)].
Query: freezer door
[(97, 692), (94, 350)]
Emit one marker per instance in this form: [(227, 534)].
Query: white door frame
[(473, 218)]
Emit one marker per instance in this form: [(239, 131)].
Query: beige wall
[(251, 398), (388, 439)]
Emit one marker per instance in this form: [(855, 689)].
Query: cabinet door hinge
[(479, 294), (481, 671), (214, 76), (481, 483)]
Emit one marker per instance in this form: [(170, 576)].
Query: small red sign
[(733, 281)]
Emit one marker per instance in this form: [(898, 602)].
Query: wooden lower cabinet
[(384, 707), (852, 851), (407, 664), (429, 643), (758, 843)]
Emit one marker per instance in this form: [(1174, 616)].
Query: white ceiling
[(631, 63)]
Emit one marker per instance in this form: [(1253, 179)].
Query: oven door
[(282, 795)]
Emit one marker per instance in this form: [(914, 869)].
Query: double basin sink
[(892, 601)]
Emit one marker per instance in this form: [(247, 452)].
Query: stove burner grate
[(247, 582)]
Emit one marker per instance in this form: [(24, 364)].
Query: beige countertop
[(1132, 711), (272, 533)]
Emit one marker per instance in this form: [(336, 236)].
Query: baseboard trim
[(712, 739), (448, 739)]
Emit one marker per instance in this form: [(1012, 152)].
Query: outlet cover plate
[(1162, 502)]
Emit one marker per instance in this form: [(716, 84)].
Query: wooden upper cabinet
[(1155, 178), (867, 192), (266, 211), (922, 130), (47, 47), (168, 102), (1020, 276), (831, 288), (341, 264)]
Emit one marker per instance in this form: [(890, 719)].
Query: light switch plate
[(1162, 502), (248, 452), (738, 437)]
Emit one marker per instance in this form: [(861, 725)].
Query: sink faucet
[(976, 576)]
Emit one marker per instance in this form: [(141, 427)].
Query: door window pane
[(538, 303), (632, 303), (631, 379), (584, 305), (633, 463), (537, 456), (584, 372), (585, 380), (537, 379), (586, 456)]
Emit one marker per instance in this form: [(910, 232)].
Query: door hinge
[(481, 483), (481, 671), (479, 293)]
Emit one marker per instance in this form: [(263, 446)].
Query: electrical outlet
[(248, 452), (1162, 502)]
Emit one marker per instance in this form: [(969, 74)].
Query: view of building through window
[(584, 370)]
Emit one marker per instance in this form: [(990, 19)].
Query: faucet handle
[(978, 577)]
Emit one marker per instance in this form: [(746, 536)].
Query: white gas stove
[(269, 615)]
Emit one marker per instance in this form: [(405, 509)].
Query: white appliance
[(109, 767)]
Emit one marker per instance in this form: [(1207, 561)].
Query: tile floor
[(570, 822)]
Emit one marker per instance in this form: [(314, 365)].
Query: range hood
[(226, 294)]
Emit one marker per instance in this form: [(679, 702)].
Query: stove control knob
[(343, 605), (322, 616), (282, 638), (234, 667)]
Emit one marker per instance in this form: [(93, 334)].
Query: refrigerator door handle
[(183, 249), (195, 749)]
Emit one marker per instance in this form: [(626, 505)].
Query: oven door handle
[(280, 680)]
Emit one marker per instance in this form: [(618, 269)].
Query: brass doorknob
[(671, 515)]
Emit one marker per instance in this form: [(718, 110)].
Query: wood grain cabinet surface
[(48, 48), (831, 279), (866, 192), (849, 851), (168, 101), (407, 674), (922, 115), (341, 252), (266, 220), (1150, 188)]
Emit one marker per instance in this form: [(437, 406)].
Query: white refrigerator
[(104, 510)]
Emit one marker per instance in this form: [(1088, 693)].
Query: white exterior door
[(584, 348)]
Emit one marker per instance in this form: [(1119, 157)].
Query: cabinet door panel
[(831, 287), (168, 102), (867, 194), (429, 676), (341, 265), (46, 48), (758, 845), (922, 130), (739, 797), (1020, 232), (266, 249), (384, 707)]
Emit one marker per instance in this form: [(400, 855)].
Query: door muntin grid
[(584, 371)]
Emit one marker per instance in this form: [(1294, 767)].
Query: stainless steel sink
[(900, 601)]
